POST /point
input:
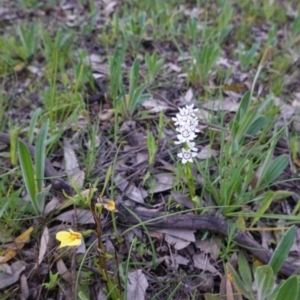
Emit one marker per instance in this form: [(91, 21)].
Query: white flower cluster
[(186, 124)]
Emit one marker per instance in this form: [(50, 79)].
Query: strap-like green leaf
[(40, 155), (282, 250), (28, 173), (289, 290), (264, 280)]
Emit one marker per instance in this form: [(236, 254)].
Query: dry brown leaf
[(179, 239), (206, 152), (239, 88), (133, 193), (109, 7), (164, 182), (137, 284), (24, 287), (104, 115), (142, 157), (183, 200), (44, 244), (211, 247), (72, 165), (63, 271), (51, 205), (201, 262), (189, 95), (175, 260), (229, 290), (19, 67), (82, 216), (23, 238), (8, 255), (155, 105), (5, 268), (8, 279), (97, 65)]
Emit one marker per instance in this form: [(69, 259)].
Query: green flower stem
[(190, 179)]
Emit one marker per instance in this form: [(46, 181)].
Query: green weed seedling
[(203, 61), (28, 38), (263, 277), (152, 147), (191, 31), (239, 162), (33, 175), (269, 9), (224, 19), (247, 57), (134, 30), (153, 65), (115, 73), (295, 30), (136, 94)]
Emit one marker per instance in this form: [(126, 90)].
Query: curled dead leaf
[(8, 255)]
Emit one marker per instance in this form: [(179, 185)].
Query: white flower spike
[(186, 124)]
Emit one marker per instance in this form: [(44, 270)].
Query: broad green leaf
[(137, 98), (234, 127), (289, 290), (281, 194), (28, 173), (134, 76), (264, 280), (245, 272), (82, 296), (32, 125), (245, 123), (238, 283), (243, 108), (266, 201), (275, 168), (268, 158), (256, 125), (282, 250)]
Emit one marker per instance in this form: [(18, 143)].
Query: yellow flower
[(110, 205), (68, 238)]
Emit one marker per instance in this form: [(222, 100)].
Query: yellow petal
[(68, 238), (69, 243), (75, 234), (110, 205)]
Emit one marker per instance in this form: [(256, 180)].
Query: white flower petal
[(178, 142), (186, 155), (179, 155)]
